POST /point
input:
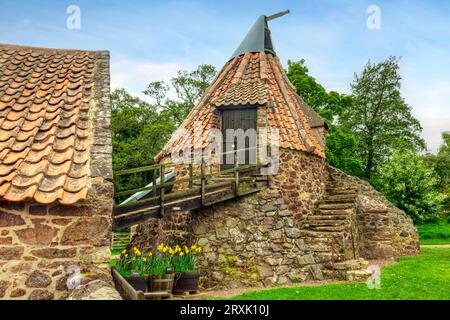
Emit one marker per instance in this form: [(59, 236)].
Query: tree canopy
[(379, 116)]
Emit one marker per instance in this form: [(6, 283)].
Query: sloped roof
[(256, 79), (48, 100)]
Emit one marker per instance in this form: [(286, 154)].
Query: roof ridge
[(45, 49)]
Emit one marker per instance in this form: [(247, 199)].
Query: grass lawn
[(426, 276), (437, 233)]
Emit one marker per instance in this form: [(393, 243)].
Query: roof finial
[(258, 39), (277, 15)]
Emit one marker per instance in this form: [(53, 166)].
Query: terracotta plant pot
[(186, 281), (138, 282), (158, 283)]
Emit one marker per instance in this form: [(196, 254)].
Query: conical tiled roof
[(253, 78)]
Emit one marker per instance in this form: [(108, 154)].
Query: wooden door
[(237, 118)]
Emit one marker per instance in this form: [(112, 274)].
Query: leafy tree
[(189, 88), (379, 116), (407, 181), (341, 144), (139, 132), (440, 163), (141, 129)]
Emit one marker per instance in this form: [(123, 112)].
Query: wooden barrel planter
[(158, 283), (138, 282), (186, 281)]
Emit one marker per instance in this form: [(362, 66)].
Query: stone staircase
[(331, 234)]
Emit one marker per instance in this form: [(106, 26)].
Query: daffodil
[(160, 246), (181, 253), (150, 254)]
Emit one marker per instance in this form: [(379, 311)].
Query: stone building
[(56, 191), (312, 221)]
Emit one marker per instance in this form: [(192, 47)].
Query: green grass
[(426, 276), (436, 233)]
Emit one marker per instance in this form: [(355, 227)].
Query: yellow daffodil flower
[(181, 253)]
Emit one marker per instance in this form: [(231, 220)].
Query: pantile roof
[(46, 113), (253, 79)]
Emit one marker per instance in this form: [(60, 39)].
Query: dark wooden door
[(238, 118)]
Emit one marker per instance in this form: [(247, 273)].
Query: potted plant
[(131, 267), (160, 275), (184, 264)]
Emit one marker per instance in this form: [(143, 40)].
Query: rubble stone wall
[(41, 246)]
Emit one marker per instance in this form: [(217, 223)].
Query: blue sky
[(150, 40)]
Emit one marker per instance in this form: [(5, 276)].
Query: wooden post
[(161, 190), (154, 183), (236, 174), (203, 181), (190, 175)]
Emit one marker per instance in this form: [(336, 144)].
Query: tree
[(379, 117), (189, 88), (440, 163), (341, 144), (141, 129), (407, 181)]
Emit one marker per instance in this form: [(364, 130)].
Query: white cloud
[(135, 75), (430, 105)]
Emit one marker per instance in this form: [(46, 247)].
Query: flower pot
[(157, 283), (138, 282), (186, 281)]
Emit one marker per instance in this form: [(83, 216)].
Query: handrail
[(175, 163), (159, 189)]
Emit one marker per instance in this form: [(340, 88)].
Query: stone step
[(326, 217), (336, 206), (355, 264), (341, 191), (324, 257), (334, 212), (357, 275), (341, 197), (316, 234), (330, 223), (327, 228), (339, 201)]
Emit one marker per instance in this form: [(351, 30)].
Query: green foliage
[(379, 116), (440, 163), (139, 132), (188, 86), (141, 128), (341, 148), (434, 233), (421, 277), (341, 144), (410, 184)]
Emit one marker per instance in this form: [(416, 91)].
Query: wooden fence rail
[(202, 189)]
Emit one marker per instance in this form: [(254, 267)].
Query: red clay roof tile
[(255, 79), (45, 120)]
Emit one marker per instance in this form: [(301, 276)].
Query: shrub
[(411, 185)]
